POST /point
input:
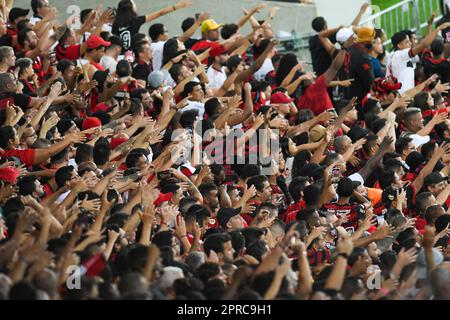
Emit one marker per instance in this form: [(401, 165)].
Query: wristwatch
[(343, 255)]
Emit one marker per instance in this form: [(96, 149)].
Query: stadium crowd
[(141, 165)]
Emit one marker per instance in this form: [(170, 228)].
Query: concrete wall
[(290, 16), (338, 12)]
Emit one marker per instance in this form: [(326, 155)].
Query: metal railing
[(407, 14)]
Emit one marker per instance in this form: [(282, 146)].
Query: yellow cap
[(209, 25), (365, 34), (316, 133)]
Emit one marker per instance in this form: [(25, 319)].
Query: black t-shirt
[(126, 32), (189, 43), (141, 71), (439, 67), (321, 60), (359, 68)]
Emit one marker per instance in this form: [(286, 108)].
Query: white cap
[(343, 34), (419, 140)]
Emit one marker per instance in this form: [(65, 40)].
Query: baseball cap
[(365, 34), (316, 133), (9, 174), (91, 122), (16, 13), (217, 51), (96, 41), (389, 194), (225, 214), (209, 25), (419, 140), (163, 197), (433, 178), (422, 269), (280, 97), (155, 79), (344, 34)]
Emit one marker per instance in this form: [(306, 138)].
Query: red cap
[(91, 122), (280, 97), (101, 107), (96, 41), (9, 174), (115, 142), (217, 51), (163, 197)]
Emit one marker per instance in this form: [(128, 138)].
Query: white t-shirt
[(265, 69), (157, 52), (108, 63), (216, 78), (402, 67), (195, 105)]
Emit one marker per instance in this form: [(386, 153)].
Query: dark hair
[(212, 106), (397, 38), (356, 253), (116, 42), (288, 61), (402, 144), (228, 30), (64, 64), (188, 117), (187, 23), (62, 175), (125, 14), (155, 31), (422, 202), (22, 36), (215, 242), (311, 195), (124, 69), (206, 271), (258, 182), (206, 188), (386, 179), (297, 185), (237, 241), (318, 24), (189, 87), (23, 290), (257, 249), (84, 153), (175, 71), (27, 185), (345, 187), (101, 152)]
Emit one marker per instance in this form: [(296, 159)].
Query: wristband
[(343, 255)]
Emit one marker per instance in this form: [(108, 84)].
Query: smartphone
[(197, 15), (406, 185)]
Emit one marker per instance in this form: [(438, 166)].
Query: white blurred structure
[(338, 12)]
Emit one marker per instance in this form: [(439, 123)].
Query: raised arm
[(179, 5)]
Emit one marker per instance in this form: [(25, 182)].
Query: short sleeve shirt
[(402, 67), (126, 32)]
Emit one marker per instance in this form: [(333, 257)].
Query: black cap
[(225, 214), (433, 178), (389, 194), (16, 13)]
